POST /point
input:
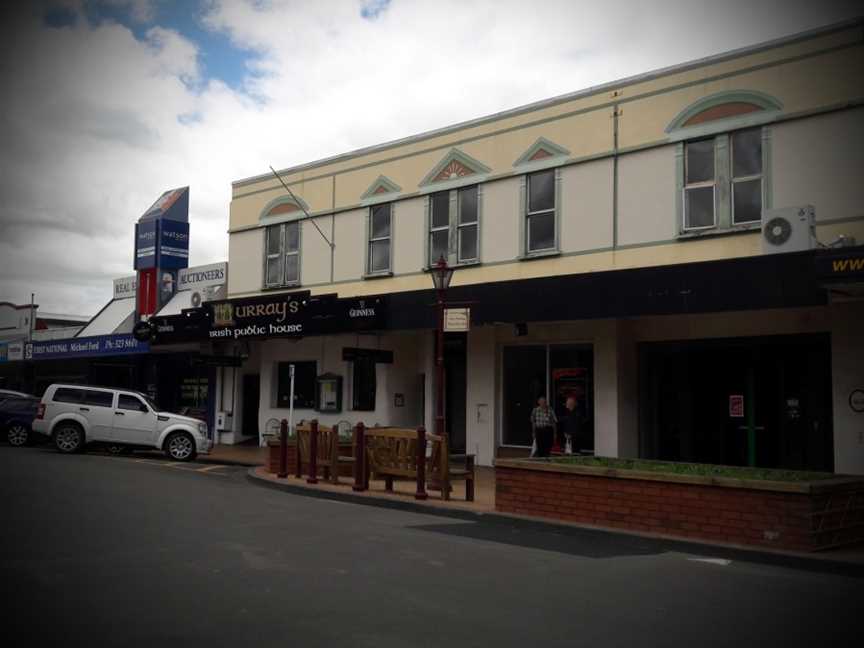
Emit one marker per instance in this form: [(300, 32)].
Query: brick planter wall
[(784, 516)]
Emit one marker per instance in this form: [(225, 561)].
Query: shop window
[(540, 226), (556, 372), (283, 255), (378, 257), (305, 384), (722, 184), (454, 222), (364, 384)]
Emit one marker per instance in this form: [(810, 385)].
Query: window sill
[(295, 284), (719, 231), (463, 264), (378, 275), (543, 254)]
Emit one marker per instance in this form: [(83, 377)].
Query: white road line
[(209, 468), (713, 561)]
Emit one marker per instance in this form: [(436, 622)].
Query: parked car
[(6, 393), (75, 415), (16, 416)]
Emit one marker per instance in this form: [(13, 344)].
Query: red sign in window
[(147, 292), (736, 405)]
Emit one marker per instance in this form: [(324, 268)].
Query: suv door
[(134, 422), (97, 406)]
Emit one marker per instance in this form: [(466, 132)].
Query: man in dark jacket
[(571, 425)]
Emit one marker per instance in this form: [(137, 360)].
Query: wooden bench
[(318, 448), (400, 453)]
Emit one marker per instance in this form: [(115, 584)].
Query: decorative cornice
[(381, 186), (298, 204), (456, 164), (542, 150), (759, 100)]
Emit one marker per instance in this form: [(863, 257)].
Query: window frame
[(735, 180), (724, 219), (282, 254), (528, 214), (701, 184), (370, 240), (143, 407), (454, 227)]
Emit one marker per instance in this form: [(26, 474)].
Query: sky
[(108, 103)]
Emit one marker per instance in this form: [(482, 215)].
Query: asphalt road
[(113, 551)]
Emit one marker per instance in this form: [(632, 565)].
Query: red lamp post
[(441, 276)]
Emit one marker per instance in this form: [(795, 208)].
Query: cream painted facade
[(616, 150)]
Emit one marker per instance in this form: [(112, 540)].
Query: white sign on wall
[(125, 287), (215, 274), (457, 320), (16, 351)]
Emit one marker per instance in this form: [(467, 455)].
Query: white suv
[(73, 415)]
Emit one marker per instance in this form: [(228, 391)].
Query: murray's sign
[(274, 315)]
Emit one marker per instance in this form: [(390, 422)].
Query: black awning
[(750, 283)]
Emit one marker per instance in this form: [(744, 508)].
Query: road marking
[(712, 561), (209, 468)]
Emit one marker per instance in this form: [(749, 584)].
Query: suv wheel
[(69, 438), (18, 434), (180, 446)]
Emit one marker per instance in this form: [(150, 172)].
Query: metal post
[(421, 464), (283, 449), (750, 410), (313, 453), (359, 458), (439, 368)]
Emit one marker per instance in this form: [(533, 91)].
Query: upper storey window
[(282, 242), (380, 239), (454, 224), (540, 225), (724, 162)]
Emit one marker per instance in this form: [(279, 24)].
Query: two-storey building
[(610, 245)]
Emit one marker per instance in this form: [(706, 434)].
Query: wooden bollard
[(421, 464), (313, 453), (283, 449), (359, 457)]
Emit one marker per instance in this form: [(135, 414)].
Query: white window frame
[(460, 226), (453, 227), (529, 214), (749, 178), (370, 240), (281, 254), (703, 184), (439, 228)]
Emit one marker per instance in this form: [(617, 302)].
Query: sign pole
[(291, 401)]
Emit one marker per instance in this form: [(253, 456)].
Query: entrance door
[(251, 394)]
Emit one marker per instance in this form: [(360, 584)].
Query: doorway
[(251, 396), (762, 402)]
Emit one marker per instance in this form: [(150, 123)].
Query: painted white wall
[(409, 218), (847, 368), (315, 252), (818, 161), (646, 196), (246, 256), (500, 221), (480, 398), (350, 243), (586, 206)]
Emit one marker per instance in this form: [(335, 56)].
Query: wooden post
[(283, 449), (359, 458), (421, 464), (469, 483), (313, 453)]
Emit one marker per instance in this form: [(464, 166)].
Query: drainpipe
[(616, 113)]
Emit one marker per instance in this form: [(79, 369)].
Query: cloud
[(99, 118)]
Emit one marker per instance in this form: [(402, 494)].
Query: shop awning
[(116, 315), (177, 304)]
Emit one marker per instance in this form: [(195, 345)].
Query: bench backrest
[(392, 451), (328, 443), (439, 458)]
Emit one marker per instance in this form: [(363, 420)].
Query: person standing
[(543, 422), (571, 425)]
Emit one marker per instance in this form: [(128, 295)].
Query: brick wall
[(703, 512)]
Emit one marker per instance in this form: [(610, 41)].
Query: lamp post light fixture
[(441, 276)]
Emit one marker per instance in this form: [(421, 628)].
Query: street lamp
[(441, 276)]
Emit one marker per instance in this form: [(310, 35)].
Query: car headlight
[(202, 428)]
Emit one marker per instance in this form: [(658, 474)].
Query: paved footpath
[(117, 551)]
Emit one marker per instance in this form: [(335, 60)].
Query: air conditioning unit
[(788, 229)]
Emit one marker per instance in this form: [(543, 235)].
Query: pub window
[(540, 212), (378, 257), (454, 219), (283, 255), (305, 374), (363, 384)]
